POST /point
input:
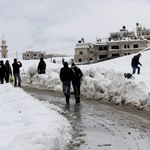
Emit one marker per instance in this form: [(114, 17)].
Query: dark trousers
[(7, 77), (134, 69), (17, 79), (76, 88), (42, 72), (2, 79)]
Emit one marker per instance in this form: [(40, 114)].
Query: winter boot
[(77, 100)]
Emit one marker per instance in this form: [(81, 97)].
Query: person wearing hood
[(66, 75)]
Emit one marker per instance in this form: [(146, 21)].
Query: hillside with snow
[(101, 81), (21, 114)]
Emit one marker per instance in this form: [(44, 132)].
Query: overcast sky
[(55, 26)]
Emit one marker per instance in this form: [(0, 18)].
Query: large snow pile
[(28, 124), (102, 81)]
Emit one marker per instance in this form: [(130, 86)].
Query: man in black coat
[(8, 71), (77, 75), (135, 62), (66, 78), (16, 72), (2, 71), (41, 66)]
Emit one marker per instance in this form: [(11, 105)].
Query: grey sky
[(55, 26)]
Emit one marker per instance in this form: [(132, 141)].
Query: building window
[(102, 56), (80, 60), (91, 52), (91, 59), (34, 54), (81, 52), (135, 46), (105, 48), (115, 47), (100, 48), (115, 55), (126, 46)]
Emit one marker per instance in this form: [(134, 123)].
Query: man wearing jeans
[(66, 75), (135, 62)]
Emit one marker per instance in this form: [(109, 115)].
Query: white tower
[(4, 49)]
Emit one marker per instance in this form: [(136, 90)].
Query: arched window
[(91, 59), (81, 52), (80, 60)]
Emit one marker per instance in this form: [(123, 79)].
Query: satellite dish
[(124, 27)]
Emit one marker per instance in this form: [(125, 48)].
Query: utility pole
[(16, 55)]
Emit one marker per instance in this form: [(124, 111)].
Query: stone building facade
[(118, 44), (32, 55)]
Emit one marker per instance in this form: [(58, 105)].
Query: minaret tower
[(4, 49)]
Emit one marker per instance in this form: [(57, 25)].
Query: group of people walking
[(74, 74), (71, 74), (6, 71), (67, 75)]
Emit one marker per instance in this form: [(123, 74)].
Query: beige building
[(118, 44), (142, 32), (32, 55)]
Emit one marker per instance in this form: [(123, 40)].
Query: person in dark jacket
[(16, 72), (76, 81), (2, 71), (8, 71), (41, 66), (135, 63), (66, 75)]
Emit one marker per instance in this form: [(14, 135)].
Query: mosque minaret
[(4, 49)]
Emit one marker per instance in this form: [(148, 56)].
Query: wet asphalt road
[(101, 126)]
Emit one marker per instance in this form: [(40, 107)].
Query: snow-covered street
[(101, 126), (27, 121)]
